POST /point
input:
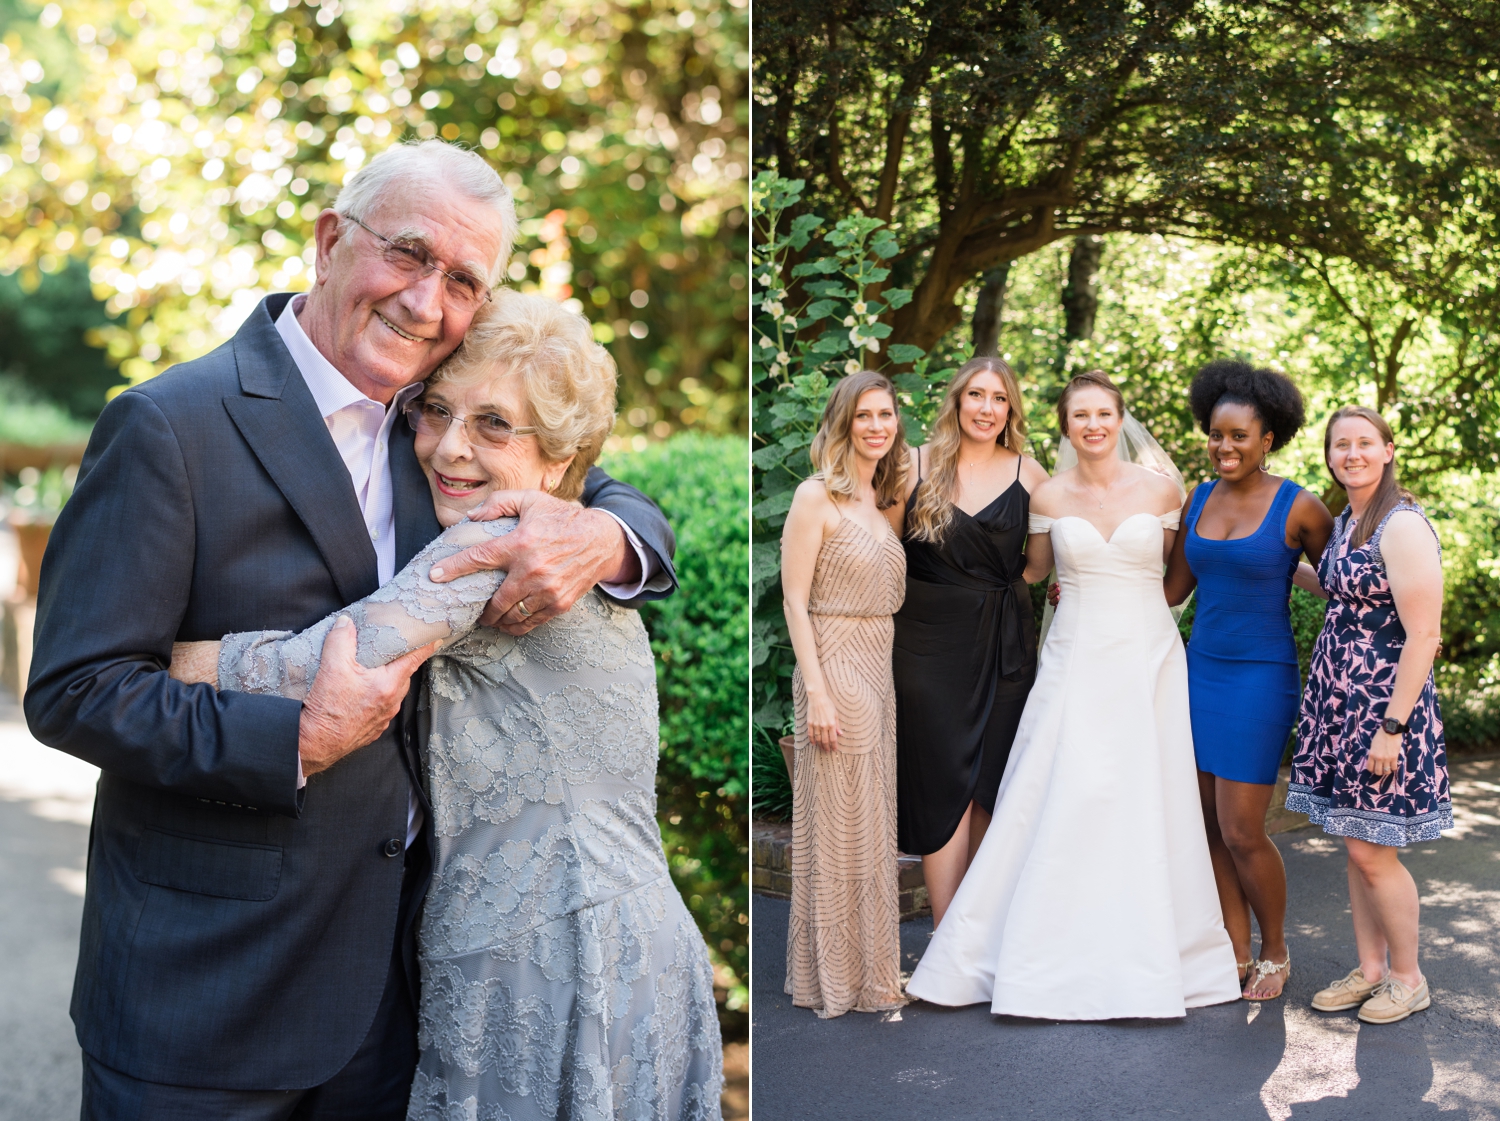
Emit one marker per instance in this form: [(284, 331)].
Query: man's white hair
[(433, 161)]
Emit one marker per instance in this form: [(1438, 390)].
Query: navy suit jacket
[(237, 932)]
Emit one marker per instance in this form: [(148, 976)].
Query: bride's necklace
[(1090, 490)]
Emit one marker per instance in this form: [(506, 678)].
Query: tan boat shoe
[(1347, 992), (1394, 1001)]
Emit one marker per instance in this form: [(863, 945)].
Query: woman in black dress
[(965, 644)]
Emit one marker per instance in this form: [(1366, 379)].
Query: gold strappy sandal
[(1264, 969)]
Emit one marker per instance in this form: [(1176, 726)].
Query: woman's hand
[(822, 722), (1385, 751)]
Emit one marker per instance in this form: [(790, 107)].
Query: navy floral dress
[(1353, 672)]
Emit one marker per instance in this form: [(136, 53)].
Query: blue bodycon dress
[(1242, 662)]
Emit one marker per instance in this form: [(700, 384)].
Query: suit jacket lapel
[(280, 421), (416, 520)]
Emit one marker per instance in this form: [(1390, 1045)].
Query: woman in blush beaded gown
[(562, 975), (1092, 895), (1241, 539), (1370, 765), (842, 577)]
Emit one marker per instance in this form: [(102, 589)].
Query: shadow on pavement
[(1275, 1061)]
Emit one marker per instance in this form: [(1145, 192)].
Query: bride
[(1092, 896)]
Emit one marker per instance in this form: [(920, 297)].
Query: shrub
[(700, 636)]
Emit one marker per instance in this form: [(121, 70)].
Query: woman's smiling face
[(463, 474), (984, 408), (1357, 453)]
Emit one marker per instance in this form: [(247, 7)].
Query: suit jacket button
[(393, 847)]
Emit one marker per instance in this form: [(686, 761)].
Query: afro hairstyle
[(1275, 397)]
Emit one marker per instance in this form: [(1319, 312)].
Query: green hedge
[(701, 638)]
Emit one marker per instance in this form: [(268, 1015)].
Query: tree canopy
[(183, 151), (986, 131)]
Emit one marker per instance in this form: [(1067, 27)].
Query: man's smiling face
[(380, 328)]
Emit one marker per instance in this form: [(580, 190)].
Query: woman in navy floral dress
[(1370, 765)]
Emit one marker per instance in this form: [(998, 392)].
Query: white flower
[(790, 321), (872, 345), (872, 319), (772, 307), (765, 280), (782, 359), (775, 370), (852, 367), (765, 342), (848, 321), (857, 337), (859, 308)]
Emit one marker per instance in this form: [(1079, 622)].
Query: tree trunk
[(1080, 298), (987, 310)]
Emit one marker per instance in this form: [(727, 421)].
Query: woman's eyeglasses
[(428, 418), (460, 290)]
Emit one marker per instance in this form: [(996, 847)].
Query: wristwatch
[(1392, 727)]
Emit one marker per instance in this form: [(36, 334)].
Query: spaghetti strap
[(919, 466), (1019, 459)]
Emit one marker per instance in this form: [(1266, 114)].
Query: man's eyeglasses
[(460, 290), (428, 418)]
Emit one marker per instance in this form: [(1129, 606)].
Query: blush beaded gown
[(844, 934), (562, 975), (1092, 896)]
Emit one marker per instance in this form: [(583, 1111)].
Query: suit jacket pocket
[(224, 869)]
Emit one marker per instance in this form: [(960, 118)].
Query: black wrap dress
[(964, 659)]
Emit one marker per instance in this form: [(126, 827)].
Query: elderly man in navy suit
[(256, 865)]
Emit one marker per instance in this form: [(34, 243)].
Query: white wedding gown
[(1092, 896)]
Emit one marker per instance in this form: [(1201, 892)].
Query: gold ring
[(521, 607)]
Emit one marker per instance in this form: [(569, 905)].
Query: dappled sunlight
[(1318, 1062)]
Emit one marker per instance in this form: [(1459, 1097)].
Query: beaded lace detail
[(562, 976)]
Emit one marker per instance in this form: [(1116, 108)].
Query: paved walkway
[(1277, 1061), (45, 801)]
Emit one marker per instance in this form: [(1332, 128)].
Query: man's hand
[(557, 552), (349, 705)]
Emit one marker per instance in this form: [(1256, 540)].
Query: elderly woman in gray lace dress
[(562, 976)]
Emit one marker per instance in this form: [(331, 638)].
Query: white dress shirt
[(361, 430)]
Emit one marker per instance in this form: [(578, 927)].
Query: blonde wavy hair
[(933, 511), (567, 378), (832, 450)]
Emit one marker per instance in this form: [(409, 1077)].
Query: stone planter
[(14, 457)]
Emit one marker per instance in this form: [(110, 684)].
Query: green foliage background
[(700, 637), (1165, 306), (161, 167), (176, 154)]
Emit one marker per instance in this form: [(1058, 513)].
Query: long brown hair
[(833, 451), (933, 511), (1090, 379), (1388, 493)]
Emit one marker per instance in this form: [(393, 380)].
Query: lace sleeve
[(408, 612), (1038, 523), (1172, 520)]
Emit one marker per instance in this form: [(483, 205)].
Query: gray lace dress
[(562, 976)]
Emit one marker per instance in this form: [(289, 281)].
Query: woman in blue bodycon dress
[(1243, 534)]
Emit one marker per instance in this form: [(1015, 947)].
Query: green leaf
[(904, 353)]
